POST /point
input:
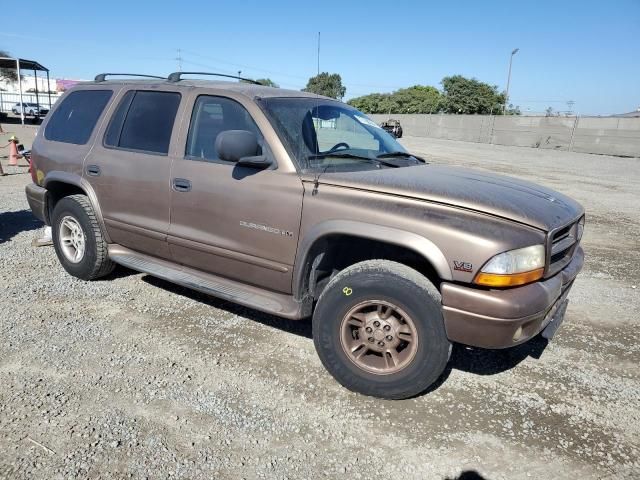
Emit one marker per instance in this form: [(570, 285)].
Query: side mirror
[(232, 145), (258, 161)]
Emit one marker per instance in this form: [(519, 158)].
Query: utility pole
[(506, 98), (239, 75), (179, 59), (318, 53)]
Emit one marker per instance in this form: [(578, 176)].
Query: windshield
[(326, 135)]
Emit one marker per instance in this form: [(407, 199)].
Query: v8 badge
[(462, 266)]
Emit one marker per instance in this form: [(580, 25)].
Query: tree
[(267, 82), (548, 112), (329, 85), (8, 74), (511, 110), (464, 95), (416, 99), (374, 103)]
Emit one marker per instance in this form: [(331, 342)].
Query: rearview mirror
[(326, 112), (232, 145)]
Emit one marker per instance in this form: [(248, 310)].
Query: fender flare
[(80, 182), (419, 244)]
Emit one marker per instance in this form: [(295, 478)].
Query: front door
[(130, 170), (238, 222)]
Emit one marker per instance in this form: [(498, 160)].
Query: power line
[(249, 67)]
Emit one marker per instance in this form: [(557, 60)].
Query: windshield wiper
[(376, 160), (401, 154)]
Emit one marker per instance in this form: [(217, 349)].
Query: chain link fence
[(9, 99)]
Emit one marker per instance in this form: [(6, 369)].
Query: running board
[(254, 297)]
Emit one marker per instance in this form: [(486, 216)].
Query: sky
[(586, 51)]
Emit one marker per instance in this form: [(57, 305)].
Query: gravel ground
[(132, 377)]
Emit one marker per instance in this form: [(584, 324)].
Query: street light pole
[(20, 90), (506, 98)]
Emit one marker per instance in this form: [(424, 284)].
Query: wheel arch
[(322, 235), (61, 184)]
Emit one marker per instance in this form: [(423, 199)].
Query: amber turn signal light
[(512, 280)]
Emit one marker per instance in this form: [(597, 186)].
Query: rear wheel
[(78, 239), (378, 330)]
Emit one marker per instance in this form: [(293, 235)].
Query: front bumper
[(37, 198), (504, 318)]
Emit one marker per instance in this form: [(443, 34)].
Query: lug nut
[(369, 329), (376, 323), (381, 344), (387, 328), (370, 339), (389, 337)]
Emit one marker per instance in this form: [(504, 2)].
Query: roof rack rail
[(102, 76), (175, 76)]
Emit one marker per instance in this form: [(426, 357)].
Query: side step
[(247, 295)]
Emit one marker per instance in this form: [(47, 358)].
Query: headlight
[(580, 229), (515, 267)]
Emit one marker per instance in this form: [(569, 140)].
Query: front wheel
[(378, 329)]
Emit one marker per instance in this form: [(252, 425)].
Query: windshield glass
[(326, 135)]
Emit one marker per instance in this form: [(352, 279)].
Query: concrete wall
[(604, 135)]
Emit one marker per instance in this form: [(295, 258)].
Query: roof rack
[(102, 76), (175, 76)]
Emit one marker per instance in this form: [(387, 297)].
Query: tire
[(381, 284), (73, 218)]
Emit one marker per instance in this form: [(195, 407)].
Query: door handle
[(93, 170), (181, 185)]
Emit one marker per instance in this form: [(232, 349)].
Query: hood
[(498, 195)]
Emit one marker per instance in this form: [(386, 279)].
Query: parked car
[(30, 109), (393, 127), (301, 206)]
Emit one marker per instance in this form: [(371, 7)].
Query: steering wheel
[(338, 145)]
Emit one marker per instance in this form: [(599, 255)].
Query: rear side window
[(74, 120), (143, 121)]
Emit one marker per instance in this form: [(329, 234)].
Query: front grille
[(562, 245)]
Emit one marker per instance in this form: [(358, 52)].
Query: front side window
[(76, 117), (211, 116), (144, 121), (326, 135)]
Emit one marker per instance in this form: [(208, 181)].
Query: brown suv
[(299, 205)]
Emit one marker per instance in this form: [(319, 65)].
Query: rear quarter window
[(76, 117)]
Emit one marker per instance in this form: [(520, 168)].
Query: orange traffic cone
[(13, 151)]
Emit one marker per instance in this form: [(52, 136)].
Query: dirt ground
[(132, 377)]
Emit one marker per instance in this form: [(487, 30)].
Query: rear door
[(238, 222), (129, 168)]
